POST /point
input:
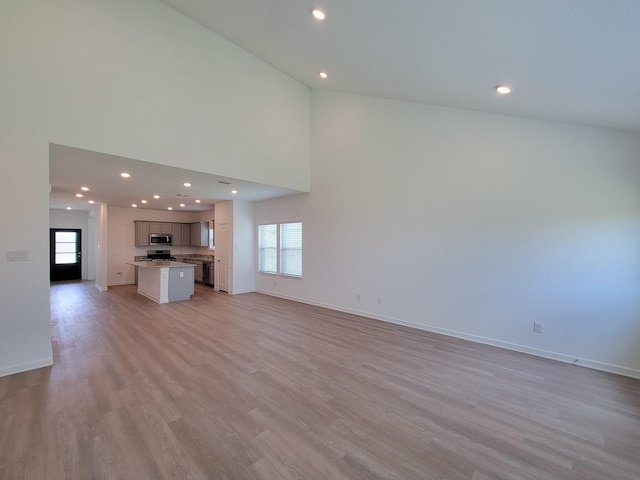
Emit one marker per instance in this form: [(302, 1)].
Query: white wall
[(102, 246), (92, 243), (75, 219), (472, 224), (244, 247), (237, 217), (132, 78)]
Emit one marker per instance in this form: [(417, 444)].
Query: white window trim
[(278, 271), (260, 249)]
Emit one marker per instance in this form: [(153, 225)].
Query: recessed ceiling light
[(233, 192), (125, 174), (503, 89), (143, 201), (187, 184), (318, 14), (323, 75), (68, 208), (169, 208), (197, 201), (182, 205), (156, 196), (91, 202), (79, 195), (84, 189), (134, 205)]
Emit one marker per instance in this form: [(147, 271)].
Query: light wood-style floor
[(254, 387)]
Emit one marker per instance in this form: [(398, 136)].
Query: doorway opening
[(65, 254)]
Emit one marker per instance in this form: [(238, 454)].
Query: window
[(66, 247), (268, 248), (280, 248), (291, 249)]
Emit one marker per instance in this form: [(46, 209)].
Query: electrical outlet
[(379, 300), (537, 327), (118, 274)]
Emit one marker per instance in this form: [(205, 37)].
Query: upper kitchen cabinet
[(176, 235), (161, 227), (200, 234), (182, 234), (186, 233), (142, 234)]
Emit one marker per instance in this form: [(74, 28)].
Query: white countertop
[(161, 264)]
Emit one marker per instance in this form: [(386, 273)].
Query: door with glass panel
[(66, 254)]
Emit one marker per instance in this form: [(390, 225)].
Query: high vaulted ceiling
[(575, 61)]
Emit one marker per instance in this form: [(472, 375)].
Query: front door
[(66, 254)]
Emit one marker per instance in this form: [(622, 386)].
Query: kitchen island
[(165, 281)]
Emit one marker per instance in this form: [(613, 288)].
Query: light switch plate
[(17, 255)]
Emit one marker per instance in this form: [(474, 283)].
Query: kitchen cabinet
[(142, 234), (165, 282), (176, 234), (200, 234), (197, 270), (204, 268), (160, 227), (181, 234), (186, 233)]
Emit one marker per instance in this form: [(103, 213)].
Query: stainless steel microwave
[(159, 239)]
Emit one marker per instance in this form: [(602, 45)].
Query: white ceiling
[(71, 168), (575, 61)]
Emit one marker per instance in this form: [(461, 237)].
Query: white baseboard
[(45, 362), (561, 357), (240, 292), (115, 284)]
